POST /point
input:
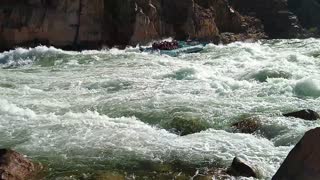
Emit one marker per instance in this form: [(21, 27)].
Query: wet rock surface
[(303, 160), (306, 114), (14, 166), (241, 168), (248, 125)]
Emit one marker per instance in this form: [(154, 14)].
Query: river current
[(80, 112)]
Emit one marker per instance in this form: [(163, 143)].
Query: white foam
[(109, 105), (7, 108), (308, 87)]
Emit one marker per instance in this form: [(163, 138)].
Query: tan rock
[(14, 166), (79, 24)]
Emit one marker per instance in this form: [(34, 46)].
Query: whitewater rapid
[(80, 111)]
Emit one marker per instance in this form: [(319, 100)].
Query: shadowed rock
[(308, 12), (241, 168), (14, 166), (278, 21), (305, 114), (303, 161)]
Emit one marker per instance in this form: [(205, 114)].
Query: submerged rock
[(241, 168), (185, 126), (306, 114), (163, 170), (303, 160), (14, 166), (248, 125), (109, 176)]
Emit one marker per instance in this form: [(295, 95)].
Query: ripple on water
[(111, 85), (182, 74)]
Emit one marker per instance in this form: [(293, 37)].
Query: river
[(81, 112)]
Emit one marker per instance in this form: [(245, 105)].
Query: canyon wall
[(90, 24), (81, 24)]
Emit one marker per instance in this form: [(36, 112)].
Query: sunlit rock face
[(82, 24)]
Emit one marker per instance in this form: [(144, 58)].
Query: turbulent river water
[(80, 112)]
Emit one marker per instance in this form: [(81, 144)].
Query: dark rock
[(303, 160), (14, 166), (278, 20), (252, 30), (241, 168), (248, 125), (305, 114), (308, 12)]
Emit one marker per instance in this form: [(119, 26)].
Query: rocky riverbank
[(84, 24)]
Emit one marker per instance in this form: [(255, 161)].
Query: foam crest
[(22, 56), (308, 87), (7, 108)]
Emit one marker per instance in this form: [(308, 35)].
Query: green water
[(83, 113)]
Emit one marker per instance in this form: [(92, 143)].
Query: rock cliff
[(308, 12), (87, 24), (78, 24), (278, 20)]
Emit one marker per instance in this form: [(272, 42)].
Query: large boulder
[(306, 114), (303, 161), (14, 166)]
